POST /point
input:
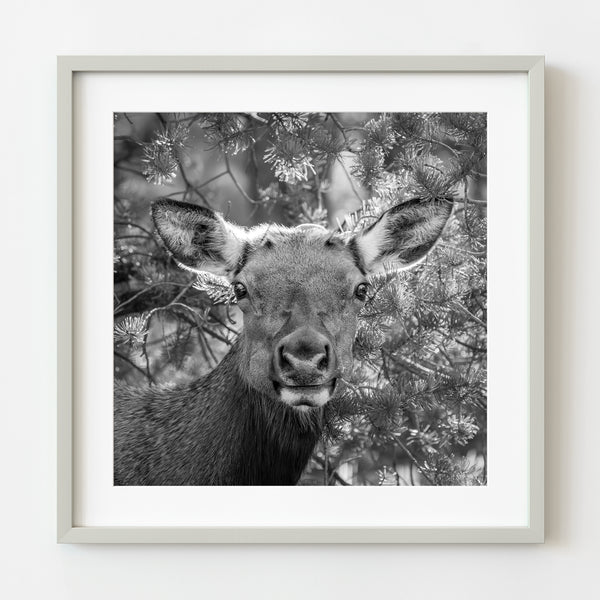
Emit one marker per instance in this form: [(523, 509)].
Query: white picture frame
[(67, 529)]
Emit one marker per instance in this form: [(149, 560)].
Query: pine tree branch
[(197, 187), (132, 364), (334, 473), (236, 183), (190, 186), (413, 459), (470, 314), (146, 289), (350, 179)]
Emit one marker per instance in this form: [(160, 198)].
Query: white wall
[(33, 32)]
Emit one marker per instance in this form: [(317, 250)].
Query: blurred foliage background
[(413, 411)]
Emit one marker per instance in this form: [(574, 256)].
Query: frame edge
[(299, 535), (64, 299), (300, 63), (67, 66), (536, 298)]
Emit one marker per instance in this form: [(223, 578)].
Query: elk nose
[(303, 357)]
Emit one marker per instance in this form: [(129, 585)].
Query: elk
[(256, 418)]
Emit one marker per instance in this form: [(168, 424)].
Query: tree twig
[(413, 459), (350, 180), (335, 474), (236, 183), (131, 363), (146, 289)]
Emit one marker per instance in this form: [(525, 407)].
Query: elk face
[(300, 289), (300, 292)]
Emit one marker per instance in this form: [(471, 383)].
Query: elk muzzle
[(304, 365)]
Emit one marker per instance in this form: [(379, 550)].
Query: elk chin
[(304, 398)]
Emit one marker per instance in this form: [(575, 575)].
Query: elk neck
[(273, 442), (215, 431)]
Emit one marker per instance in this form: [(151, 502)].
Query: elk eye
[(361, 291), (239, 290)]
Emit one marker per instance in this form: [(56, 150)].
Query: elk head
[(300, 289)]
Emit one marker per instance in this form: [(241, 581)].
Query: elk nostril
[(283, 361), (322, 364)]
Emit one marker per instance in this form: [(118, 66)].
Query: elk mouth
[(305, 397)]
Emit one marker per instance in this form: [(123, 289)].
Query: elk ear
[(403, 234), (198, 238)]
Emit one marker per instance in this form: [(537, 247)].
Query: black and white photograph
[(300, 299)]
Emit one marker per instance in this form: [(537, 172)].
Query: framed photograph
[(300, 299)]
